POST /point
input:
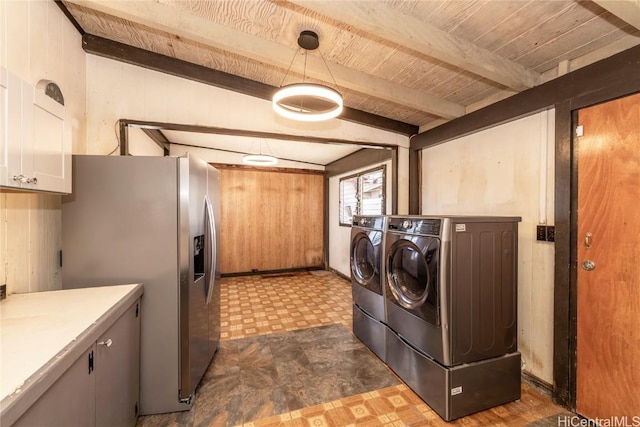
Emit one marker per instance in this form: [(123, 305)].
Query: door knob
[(588, 265), (106, 343)]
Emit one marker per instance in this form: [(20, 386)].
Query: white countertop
[(35, 327)]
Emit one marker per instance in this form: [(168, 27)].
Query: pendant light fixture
[(260, 159), (307, 102)]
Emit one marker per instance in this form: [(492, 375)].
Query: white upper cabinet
[(36, 139)]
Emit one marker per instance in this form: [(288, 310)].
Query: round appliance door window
[(363, 260), (408, 274)]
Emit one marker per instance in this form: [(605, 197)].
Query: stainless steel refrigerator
[(155, 221)]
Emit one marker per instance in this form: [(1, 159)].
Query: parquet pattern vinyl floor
[(259, 305), (287, 358)]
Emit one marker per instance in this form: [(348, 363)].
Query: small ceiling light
[(260, 159), (308, 102)]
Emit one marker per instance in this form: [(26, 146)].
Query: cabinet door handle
[(25, 180), (106, 343)]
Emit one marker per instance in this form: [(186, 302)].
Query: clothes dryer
[(367, 282), (451, 307)]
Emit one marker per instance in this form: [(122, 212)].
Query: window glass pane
[(363, 194), (372, 185), (348, 199)]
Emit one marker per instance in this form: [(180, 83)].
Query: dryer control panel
[(372, 222)]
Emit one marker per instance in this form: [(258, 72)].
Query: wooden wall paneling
[(18, 237), (39, 42), (33, 241), (47, 246), (3, 238), (271, 220)]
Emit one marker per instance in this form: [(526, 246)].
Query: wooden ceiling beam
[(627, 10), (383, 22), (201, 30), (176, 67)]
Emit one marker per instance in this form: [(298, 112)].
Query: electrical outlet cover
[(551, 233)]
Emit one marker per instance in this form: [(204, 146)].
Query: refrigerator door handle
[(210, 225)]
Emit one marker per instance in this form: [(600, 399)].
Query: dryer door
[(365, 259), (412, 276)]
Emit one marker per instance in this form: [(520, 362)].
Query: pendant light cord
[(335, 84), (290, 65)]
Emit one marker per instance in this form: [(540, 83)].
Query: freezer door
[(194, 310)]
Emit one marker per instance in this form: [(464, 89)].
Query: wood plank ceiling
[(416, 62)]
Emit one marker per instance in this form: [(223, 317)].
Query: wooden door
[(608, 313), (271, 219)]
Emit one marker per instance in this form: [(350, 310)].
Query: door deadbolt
[(587, 240), (588, 265)]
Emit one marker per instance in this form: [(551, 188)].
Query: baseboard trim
[(271, 272), (536, 382)]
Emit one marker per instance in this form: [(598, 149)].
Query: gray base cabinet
[(101, 388), (117, 369), (68, 402)]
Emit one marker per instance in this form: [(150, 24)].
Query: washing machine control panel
[(425, 226)]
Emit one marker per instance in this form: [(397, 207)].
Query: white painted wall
[(38, 42), (506, 170), (340, 236), (121, 91), (140, 144)]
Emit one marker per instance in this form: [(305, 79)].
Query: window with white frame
[(362, 194)]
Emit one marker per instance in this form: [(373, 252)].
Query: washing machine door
[(365, 259), (412, 274)]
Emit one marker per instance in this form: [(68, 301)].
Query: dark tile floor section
[(257, 377)]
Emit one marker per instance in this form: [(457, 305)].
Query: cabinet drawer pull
[(23, 179), (106, 343)]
